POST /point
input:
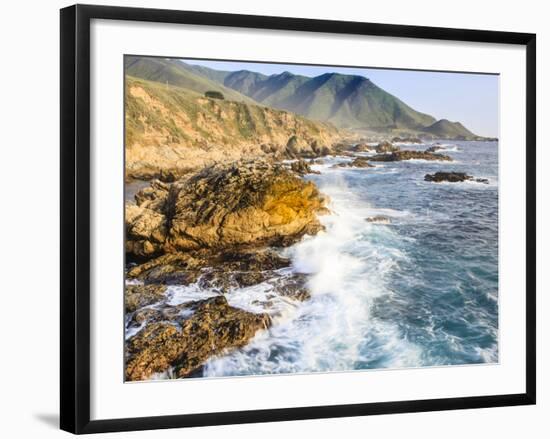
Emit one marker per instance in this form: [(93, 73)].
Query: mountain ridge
[(356, 103), (351, 102), (348, 101), (170, 73)]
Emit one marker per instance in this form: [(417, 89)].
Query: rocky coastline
[(222, 227)]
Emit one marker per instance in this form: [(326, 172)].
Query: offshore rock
[(359, 162), (386, 146), (379, 219), (453, 177), (410, 155)]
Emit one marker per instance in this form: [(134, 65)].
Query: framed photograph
[(273, 218)]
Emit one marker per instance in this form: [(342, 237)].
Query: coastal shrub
[(214, 94)]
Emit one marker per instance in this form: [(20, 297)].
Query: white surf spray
[(335, 329)]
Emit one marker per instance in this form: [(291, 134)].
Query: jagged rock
[(341, 147), (241, 204), (359, 162), (379, 219), (138, 296), (316, 162), (220, 270), (237, 269), (145, 315), (386, 146), (363, 147), (170, 269), (248, 203), (146, 231), (482, 180), (293, 286), (213, 328), (409, 155), (154, 196), (320, 150), (301, 167)]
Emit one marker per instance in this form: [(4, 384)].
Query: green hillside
[(348, 101), (173, 72), (212, 74), (445, 129)]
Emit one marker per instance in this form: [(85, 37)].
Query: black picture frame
[(75, 217)]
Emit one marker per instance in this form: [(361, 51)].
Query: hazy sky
[(471, 99)]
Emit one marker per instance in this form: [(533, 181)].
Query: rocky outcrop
[(252, 203), (247, 203), (453, 177), (379, 219), (146, 231), (410, 155), (154, 196), (212, 228), (363, 147), (213, 328), (359, 162), (301, 167), (218, 270), (316, 162), (138, 296), (294, 286), (385, 146), (169, 269)]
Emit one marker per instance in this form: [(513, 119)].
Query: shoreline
[(302, 283)]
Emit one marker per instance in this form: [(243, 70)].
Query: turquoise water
[(421, 291)]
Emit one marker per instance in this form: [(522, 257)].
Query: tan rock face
[(138, 296), (146, 230), (214, 327), (240, 204)]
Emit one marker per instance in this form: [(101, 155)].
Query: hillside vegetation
[(171, 130), (170, 72)]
